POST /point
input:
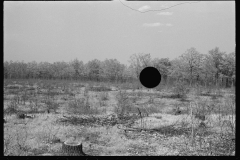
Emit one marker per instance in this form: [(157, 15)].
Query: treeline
[(95, 70), (213, 68)]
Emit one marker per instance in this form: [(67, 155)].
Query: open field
[(116, 119)]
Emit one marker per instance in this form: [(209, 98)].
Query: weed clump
[(99, 88), (12, 108), (180, 89), (123, 104), (104, 96)]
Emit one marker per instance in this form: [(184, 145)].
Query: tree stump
[(72, 148)]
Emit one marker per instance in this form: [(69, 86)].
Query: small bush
[(51, 105), (24, 97), (12, 108), (218, 93), (130, 85), (151, 100), (180, 89), (102, 103), (198, 90), (153, 109), (14, 87), (134, 99), (123, 104), (139, 94), (77, 105), (81, 106), (104, 96), (205, 94), (33, 108), (99, 88)]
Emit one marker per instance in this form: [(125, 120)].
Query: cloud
[(144, 8), (165, 13), (152, 24), (169, 25)]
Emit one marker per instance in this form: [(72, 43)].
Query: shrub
[(99, 88), (123, 104), (77, 105), (81, 106), (51, 105), (104, 96), (24, 97), (180, 89), (86, 90), (12, 107)]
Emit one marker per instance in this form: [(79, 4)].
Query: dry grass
[(128, 122)]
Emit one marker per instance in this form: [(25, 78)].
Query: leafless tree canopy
[(215, 67)]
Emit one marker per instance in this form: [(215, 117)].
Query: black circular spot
[(150, 77)]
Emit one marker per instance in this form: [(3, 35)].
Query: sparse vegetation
[(136, 110), (99, 88), (191, 112), (180, 89), (103, 96), (12, 107), (123, 104)]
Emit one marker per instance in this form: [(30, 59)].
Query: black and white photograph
[(119, 78)]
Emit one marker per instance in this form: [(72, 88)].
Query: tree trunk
[(191, 78), (216, 79)]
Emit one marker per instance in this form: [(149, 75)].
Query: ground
[(116, 120)]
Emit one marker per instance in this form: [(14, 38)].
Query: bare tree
[(217, 58), (227, 67), (187, 66), (78, 67), (207, 69), (139, 61), (113, 69), (94, 69), (163, 65), (191, 66)]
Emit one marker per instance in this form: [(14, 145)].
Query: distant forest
[(213, 68)]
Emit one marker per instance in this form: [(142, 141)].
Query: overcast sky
[(62, 31)]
